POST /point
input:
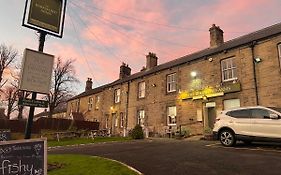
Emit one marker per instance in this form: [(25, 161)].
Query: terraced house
[(188, 92)]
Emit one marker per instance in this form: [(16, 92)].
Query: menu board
[(23, 157)]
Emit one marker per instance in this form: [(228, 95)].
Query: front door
[(211, 112), (113, 123)]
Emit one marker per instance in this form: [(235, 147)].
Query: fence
[(48, 123)]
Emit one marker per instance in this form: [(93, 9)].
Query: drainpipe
[(254, 71), (127, 106)]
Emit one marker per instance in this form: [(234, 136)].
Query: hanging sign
[(36, 71), (45, 15)]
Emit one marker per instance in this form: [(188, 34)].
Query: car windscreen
[(276, 109)]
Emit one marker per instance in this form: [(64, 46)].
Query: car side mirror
[(273, 116)]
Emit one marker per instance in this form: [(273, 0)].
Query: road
[(175, 157)]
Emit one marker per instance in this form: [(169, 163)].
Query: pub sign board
[(23, 157), (45, 15), (36, 71)]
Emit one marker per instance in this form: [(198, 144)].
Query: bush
[(137, 132)]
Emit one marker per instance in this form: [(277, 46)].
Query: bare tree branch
[(7, 57), (63, 78)]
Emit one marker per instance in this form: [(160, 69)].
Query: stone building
[(190, 91)]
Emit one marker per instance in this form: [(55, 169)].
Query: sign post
[(47, 17)]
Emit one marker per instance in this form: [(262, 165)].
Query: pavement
[(190, 156)]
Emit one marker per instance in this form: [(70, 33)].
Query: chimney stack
[(125, 71), (151, 60), (216, 36), (89, 84)]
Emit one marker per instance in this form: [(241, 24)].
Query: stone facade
[(198, 98)]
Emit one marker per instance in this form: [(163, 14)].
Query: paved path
[(173, 157)]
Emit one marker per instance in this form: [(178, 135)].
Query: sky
[(101, 34)]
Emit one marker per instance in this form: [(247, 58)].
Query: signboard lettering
[(5, 135), (28, 157), (210, 91)]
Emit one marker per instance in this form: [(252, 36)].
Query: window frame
[(171, 82), (141, 89), (227, 69), (279, 54), (122, 120), (141, 118), (90, 103), (168, 116), (117, 95), (97, 102)]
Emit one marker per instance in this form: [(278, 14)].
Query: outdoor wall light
[(193, 74), (257, 60), (111, 108)]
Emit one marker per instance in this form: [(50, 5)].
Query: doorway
[(211, 112)]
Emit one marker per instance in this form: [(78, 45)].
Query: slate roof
[(244, 40), (46, 113)]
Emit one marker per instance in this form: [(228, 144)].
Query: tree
[(10, 95), (63, 77), (7, 57)]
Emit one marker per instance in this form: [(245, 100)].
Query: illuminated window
[(122, 120), (171, 82), (97, 102), (171, 115), (141, 115), (90, 103), (141, 90), (228, 69), (117, 93), (279, 53)]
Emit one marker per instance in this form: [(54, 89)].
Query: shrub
[(137, 132)]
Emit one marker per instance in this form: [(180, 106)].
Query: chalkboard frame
[(44, 140)]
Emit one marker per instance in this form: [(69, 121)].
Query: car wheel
[(227, 138)]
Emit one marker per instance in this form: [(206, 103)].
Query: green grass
[(86, 165), (76, 141)]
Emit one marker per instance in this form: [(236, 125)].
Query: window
[(141, 115), (279, 54), (261, 113), (122, 120), (141, 90), (245, 113), (171, 82), (90, 103), (171, 115), (231, 103), (97, 102), (228, 69), (117, 95), (106, 120)]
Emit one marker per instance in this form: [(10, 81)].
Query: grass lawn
[(86, 165), (76, 141)]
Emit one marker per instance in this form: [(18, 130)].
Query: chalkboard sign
[(23, 157), (5, 135)]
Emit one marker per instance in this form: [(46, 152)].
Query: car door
[(241, 121), (263, 125)]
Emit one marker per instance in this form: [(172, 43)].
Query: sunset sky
[(101, 34)]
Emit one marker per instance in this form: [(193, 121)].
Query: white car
[(248, 124)]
